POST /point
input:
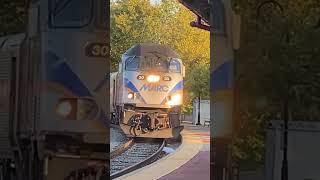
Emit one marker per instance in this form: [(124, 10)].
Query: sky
[(155, 2)]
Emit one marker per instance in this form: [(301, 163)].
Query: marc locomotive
[(147, 92)]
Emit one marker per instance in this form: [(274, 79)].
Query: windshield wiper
[(60, 5), (132, 57)]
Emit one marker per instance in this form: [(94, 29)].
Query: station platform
[(190, 161)]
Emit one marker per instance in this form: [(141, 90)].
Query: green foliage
[(198, 80), (278, 59), (12, 16), (188, 105), (248, 145)]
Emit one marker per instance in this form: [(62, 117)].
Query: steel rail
[(140, 164)]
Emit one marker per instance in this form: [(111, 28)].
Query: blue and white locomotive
[(147, 91), (53, 104)]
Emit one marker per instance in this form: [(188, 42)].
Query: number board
[(97, 50)]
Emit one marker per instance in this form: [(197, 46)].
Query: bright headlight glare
[(175, 100), (130, 96), (64, 108), (153, 78)]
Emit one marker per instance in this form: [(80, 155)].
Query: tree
[(198, 81), (134, 21), (12, 16)]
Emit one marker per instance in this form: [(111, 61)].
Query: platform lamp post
[(199, 98), (284, 167)]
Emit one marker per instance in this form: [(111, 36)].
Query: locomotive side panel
[(69, 75), (53, 91), (73, 92), (6, 102)]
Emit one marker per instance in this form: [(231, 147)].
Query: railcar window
[(174, 66), (71, 13), (132, 64)]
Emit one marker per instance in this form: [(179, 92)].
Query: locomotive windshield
[(71, 13), (155, 64), (132, 64), (174, 66)]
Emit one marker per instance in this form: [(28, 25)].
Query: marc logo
[(157, 88)]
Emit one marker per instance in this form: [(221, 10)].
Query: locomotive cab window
[(132, 64), (156, 64), (160, 64), (152, 64), (70, 13), (175, 66)]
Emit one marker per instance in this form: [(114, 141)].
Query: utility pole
[(284, 167)]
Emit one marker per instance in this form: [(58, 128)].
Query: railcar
[(53, 108), (147, 92)]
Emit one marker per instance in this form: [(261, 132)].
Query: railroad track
[(119, 142), (121, 149), (134, 156)]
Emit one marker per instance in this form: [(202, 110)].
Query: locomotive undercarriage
[(79, 159), (148, 122), (54, 157)]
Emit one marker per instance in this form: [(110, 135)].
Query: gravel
[(117, 138)]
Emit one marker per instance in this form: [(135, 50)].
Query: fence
[(204, 111)]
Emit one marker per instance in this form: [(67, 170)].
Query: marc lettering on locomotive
[(152, 87)]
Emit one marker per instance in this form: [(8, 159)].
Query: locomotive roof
[(144, 49)]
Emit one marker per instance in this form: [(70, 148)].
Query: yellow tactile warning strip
[(196, 137), (192, 143)]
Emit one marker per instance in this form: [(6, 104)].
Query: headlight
[(64, 108), (77, 109), (87, 109), (67, 108), (130, 95), (175, 100), (153, 78)]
